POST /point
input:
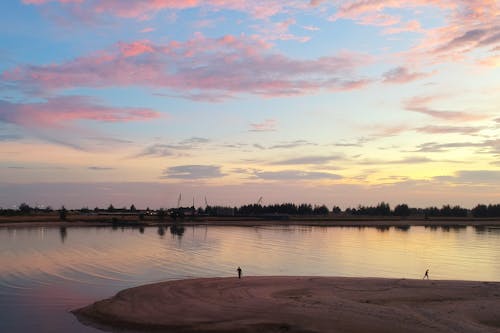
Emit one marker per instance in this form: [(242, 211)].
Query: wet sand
[(301, 304)]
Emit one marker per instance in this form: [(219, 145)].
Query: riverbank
[(355, 221), (301, 304)]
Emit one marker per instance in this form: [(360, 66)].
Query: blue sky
[(328, 102)]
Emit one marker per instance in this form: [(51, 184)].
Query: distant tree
[(480, 211), (305, 209), (402, 210), (161, 214), (336, 210), (132, 208), (111, 208), (63, 213), (383, 209), (24, 208), (320, 210)]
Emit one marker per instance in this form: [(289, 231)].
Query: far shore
[(316, 221), (301, 304)]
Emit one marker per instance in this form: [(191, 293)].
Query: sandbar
[(301, 304)]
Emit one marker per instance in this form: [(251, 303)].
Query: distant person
[(239, 272), (426, 275)]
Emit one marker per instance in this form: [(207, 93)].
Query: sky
[(326, 102)]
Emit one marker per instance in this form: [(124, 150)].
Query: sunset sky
[(327, 102)]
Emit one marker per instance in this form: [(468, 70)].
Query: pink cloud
[(59, 112), (402, 75), (41, 2), (149, 29), (421, 105), (279, 31), (468, 24), (136, 48), (268, 125), (411, 26), (223, 66), (140, 9), (431, 129)]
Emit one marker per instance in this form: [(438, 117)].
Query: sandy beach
[(301, 304)]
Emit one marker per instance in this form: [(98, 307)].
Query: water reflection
[(177, 230), (447, 228), (402, 227), (63, 233), (487, 229)]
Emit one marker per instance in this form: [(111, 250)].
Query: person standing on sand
[(239, 272), (426, 275)]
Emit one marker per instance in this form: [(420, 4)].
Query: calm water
[(45, 272)]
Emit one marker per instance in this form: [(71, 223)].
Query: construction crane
[(259, 201)]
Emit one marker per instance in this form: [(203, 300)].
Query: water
[(46, 272)]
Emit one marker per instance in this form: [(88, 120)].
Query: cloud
[(358, 143), (292, 144), (310, 28), (411, 26), (448, 129), (162, 150), (194, 140), (479, 37), (295, 175), (434, 147), (9, 137), (57, 112), (99, 168), (268, 125), (144, 10), (136, 48), (487, 146), (307, 160), (193, 172), (402, 75), (158, 150), (421, 105), (467, 25), (407, 160), (109, 140), (146, 30), (488, 177), (200, 66)]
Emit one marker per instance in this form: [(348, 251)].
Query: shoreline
[(301, 304), (368, 222)]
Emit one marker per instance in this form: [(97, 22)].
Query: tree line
[(304, 209)]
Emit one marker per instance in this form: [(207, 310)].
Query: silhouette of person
[(426, 275), (239, 272)]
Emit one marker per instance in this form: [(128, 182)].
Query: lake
[(45, 272)]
